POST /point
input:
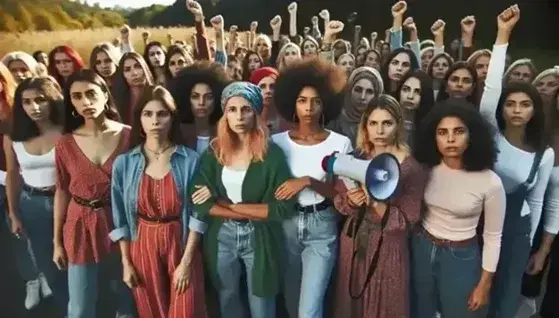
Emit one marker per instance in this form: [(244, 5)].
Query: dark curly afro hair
[(328, 79), (481, 153), (212, 74)]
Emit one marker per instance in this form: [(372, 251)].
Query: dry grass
[(84, 40)]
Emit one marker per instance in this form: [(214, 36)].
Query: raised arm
[(468, 26), (398, 10), (220, 54), (292, 9), (494, 81), (201, 39), (437, 29), (333, 28), (409, 24)]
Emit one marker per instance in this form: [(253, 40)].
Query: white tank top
[(38, 171)]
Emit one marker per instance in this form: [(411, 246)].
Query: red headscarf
[(260, 73)]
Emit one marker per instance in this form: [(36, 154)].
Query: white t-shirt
[(233, 182), (307, 160)]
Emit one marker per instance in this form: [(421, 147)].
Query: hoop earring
[(107, 108), (75, 114)]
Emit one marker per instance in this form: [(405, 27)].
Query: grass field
[(84, 40)]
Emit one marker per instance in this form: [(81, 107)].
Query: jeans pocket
[(466, 253)]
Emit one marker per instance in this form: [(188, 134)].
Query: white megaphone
[(380, 175)]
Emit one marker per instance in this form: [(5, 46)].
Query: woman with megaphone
[(373, 260)]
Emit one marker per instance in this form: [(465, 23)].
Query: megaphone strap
[(376, 255)]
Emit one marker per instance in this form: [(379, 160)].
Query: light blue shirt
[(125, 184)]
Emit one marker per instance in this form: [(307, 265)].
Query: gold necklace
[(158, 153)]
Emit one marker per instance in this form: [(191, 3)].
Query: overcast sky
[(130, 3)]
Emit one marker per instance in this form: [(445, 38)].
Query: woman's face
[(254, 62), (202, 100), (440, 67), (240, 115), (291, 55), (240, 54), (521, 74), (460, 84), (104, 65), (64, 65), (381, 128), (308, 105), (518, 110), (385, 49), (372, 60), (35, 104), (19, 70), (268, 86), (410, 95), (88, 99), (156, 120), (452, 137), (262, 48), (482, 65), (347, 62), (362, 92), (133, 73), (547, 85), (176, 63), (339, 49), (156, 56), (399, 65), (455, 45), (309, 49), (360, 58), (43, 58), (426, 59), (235, 70)]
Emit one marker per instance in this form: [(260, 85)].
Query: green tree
[(62, 17), (44, 21), (109, 18), (7, 22), (24, 17)]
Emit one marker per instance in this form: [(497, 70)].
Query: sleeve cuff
[(119, 234), (197, 225)]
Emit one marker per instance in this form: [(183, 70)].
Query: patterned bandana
[(248, 91)]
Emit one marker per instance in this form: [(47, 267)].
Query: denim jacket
[(127, 174)]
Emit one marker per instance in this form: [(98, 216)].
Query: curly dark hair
[(212, 74), (481, 153), (427, 97), (24, 128), (472, 98), (535, 135), (328, 79)]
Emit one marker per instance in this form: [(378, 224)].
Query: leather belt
[(443, 242), (45, 191), (161, 220), (94, 204), (314, 207)]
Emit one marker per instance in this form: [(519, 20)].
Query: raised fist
[(292, 8), (334, 27), (438, 27), (508, 18), (275, 23), (306, 30), (233, 28), (324, 14), (409, 24), (374, 35), (399, 8), (217, 22), (468, 24), (314, 20), (253, 26), (146, 35), (194, 7)]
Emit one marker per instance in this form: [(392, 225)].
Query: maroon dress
[(387, 294)]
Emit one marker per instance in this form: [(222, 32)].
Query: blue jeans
[(312, 250), (37, 218), (442, 278), (87, 282), (235, 245)]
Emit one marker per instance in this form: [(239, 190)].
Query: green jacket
[(259, 186)]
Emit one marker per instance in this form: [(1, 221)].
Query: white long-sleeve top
[(513, 164), (551, 208)]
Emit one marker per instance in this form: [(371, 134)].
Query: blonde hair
[(8, 92), (391, 105), (280, 61), (226, 142)]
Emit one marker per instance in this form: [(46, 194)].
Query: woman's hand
[(399, 9), (468, 24), (291, 188), (292, 8), (129, 275), (253, 26), (181, 277), (201, 195), (438, 27), (324, 14), (196, 9), (217, 24), (479, 296), (275, 24), (508, 18), (409, 24), (356, 197), (536, 263), (17, 227), (59, 257)]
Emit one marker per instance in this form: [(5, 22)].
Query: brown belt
[(161, 220), (94, 204), (442, 242)]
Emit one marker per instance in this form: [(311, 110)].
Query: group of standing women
[(188, 181)]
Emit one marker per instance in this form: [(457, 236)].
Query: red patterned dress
[(386, 296), (86, 230), (157, 251)]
